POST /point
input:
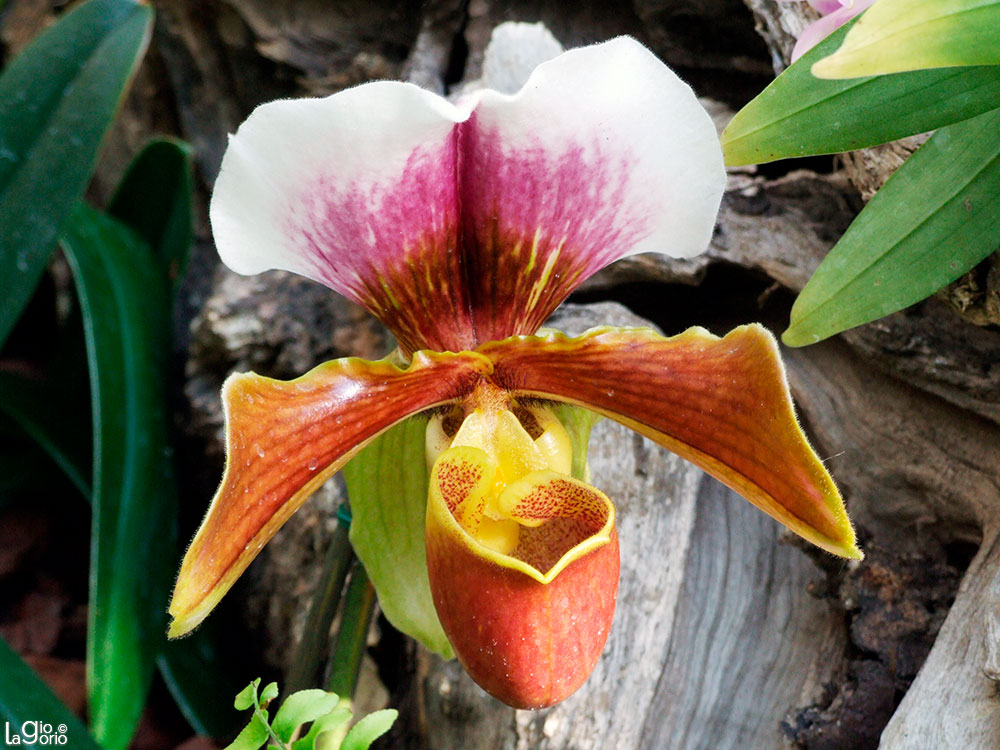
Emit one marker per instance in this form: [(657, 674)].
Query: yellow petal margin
[(721, 403), (284, 439)]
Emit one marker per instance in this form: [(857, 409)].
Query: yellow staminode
[(508, 454)]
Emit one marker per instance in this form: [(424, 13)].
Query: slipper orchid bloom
[(835, 14), (462, 227)]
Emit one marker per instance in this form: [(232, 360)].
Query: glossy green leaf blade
[(935, 218), (154, 198), (25, 698), (247, 696), (268, 694), (124, 300), (58, 427), (800, 115), (57, 99), (900, 35), (352, 634), (387, 484)]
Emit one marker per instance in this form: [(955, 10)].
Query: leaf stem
[(359, 605), (315, 635)]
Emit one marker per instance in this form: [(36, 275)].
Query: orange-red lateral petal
[(721, 403), (284, 439)]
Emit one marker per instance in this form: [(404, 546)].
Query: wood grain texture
[(748, 642)]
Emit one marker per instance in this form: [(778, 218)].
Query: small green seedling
[(319, 707)]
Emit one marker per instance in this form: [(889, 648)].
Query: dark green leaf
[(57, 99), (154, 199), (300, 708), (387, 484), (369, 729), (25, 698), (352, 635), (253, 736), (58, 425), (196, 675), (936, 217), (314, 645), (124, 300), (800, 115)]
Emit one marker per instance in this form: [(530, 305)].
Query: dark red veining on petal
[(537, 222), (723, 404), (282, 435), (475, 239), (391, 246)]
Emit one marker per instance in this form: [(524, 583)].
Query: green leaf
[(253, 736), (936, 217), (300, 708), (369, 729), (329, 723), (799, 115), (59, 426), (126, 324), (387, 484), (269, 693), (155, 199), (901, 35), (314, 645), (196, 675), (57, 99), (22, 464), (25, 698), (352, 635), (247, 696)]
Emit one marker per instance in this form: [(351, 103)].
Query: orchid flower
[(462, 227), (835, 14)]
